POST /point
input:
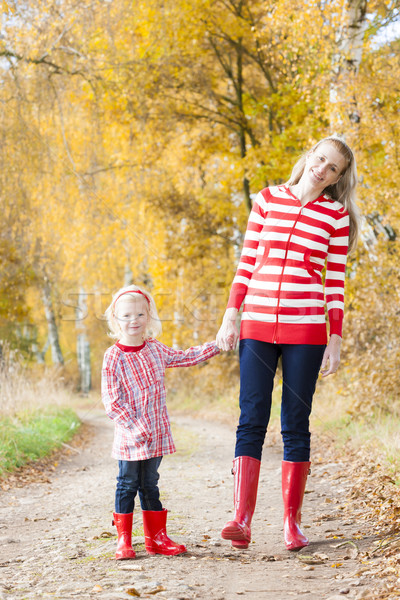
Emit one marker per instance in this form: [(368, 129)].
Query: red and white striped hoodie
[(280, 274)]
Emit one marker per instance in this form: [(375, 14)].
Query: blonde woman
[(294, 232)]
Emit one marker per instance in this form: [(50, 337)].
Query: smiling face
[(133, 317), (324, 166)]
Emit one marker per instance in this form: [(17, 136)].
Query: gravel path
[(56, 538)]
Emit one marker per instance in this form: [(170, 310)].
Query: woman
[(294, 231)]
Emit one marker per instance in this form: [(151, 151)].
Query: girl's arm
[(117, 409), (190, 357)]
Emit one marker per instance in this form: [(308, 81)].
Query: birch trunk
[(346, 63), (83, 346), (53, 339)]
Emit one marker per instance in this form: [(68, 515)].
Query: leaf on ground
[(132, 592), (159, 588), (128, 567), (106, 534), (309, 559)]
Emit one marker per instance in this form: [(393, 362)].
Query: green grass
[(30, 436)]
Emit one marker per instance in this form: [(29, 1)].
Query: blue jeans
[(301, 364), (138, 476)]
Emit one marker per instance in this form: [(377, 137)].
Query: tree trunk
[(53, 338), (83, 346), (346, 63)]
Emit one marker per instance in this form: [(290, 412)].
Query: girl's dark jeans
[(301, 364), (138, 476)]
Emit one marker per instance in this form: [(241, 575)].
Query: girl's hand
[(228, 333), (331, 358)]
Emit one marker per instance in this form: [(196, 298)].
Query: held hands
[(228, 334), (331, 358)]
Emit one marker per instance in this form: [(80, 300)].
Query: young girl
[(133, 393)]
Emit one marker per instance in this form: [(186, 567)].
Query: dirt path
[(55, 537)]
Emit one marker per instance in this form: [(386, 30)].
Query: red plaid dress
[(133, 393)]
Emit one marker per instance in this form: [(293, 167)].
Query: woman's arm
[(334, 293), (228, 333), (331, 358), (335, 274)]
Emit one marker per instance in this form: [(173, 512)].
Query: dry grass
[(26, 389), (377, 434)]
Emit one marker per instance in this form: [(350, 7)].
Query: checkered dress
[(133, 393)]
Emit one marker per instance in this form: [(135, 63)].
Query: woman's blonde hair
[(153, 328), (344, 190)]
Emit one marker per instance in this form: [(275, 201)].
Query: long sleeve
[(249, 252), (335, 274), (116, 406), (191, 356), (133, 393), (288, 248)]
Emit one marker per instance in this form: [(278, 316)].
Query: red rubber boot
[(123, 523), (294, 478), (155, 534), (246, 471)]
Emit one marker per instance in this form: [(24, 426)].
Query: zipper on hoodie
[(274, 341)]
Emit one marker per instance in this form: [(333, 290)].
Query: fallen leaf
[(321, 556), (128, 567), (158, 589), (97, 588), (106, 534), (308, 559), (132, 592)]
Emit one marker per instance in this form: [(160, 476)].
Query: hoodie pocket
[(312, 268), (264, 257)]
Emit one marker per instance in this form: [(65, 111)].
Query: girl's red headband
[(131, 292)]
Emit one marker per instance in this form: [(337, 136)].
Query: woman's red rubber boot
[(246, 471), (155, 534), (294, 479), (123, 523)]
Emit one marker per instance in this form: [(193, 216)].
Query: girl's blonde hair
[(344, 191), (153, 328)]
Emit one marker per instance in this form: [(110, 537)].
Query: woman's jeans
[(138, 476), (301, 364)]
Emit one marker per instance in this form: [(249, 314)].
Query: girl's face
[(133, 317), (324, 166)]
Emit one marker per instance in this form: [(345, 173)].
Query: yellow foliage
[(134, 133)]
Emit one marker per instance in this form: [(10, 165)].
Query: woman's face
[(324, 166)]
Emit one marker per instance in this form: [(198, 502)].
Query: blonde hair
[(153, 328), (344, 190)]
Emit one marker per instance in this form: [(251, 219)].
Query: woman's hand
[(228, 333), (331, 358)]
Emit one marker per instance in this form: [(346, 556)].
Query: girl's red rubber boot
[(155, 534), (294, 479), (123, 523), (246, 471)]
